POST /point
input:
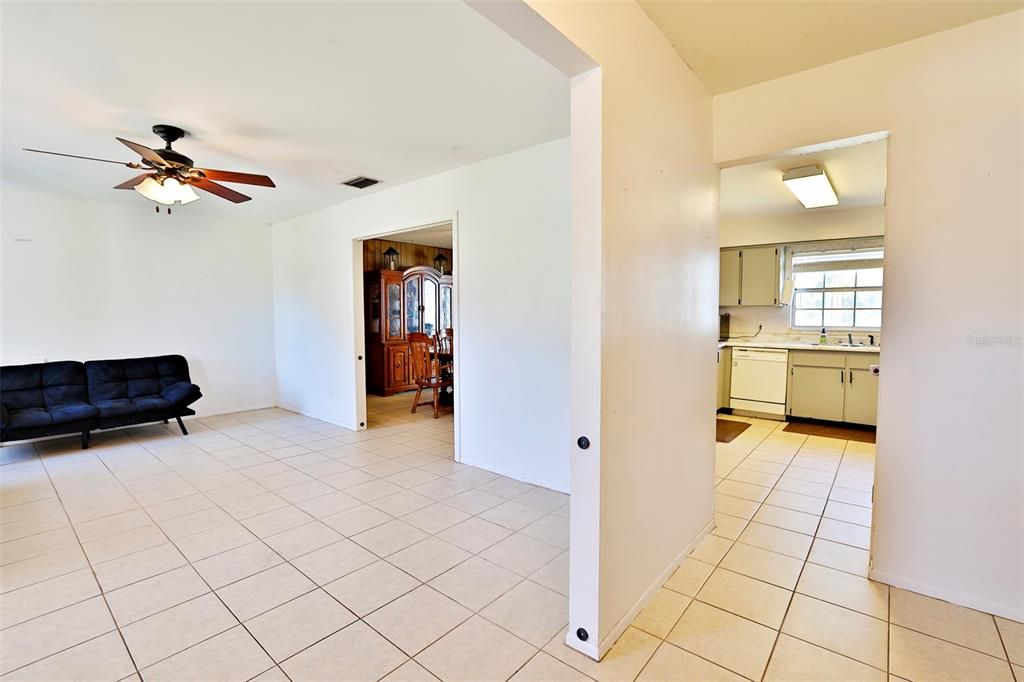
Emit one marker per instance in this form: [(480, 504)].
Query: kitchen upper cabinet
[(759, 278), (817, 392), (729, 278), (749, 276), (833, 386)]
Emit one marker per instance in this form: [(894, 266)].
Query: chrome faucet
[(872, 338), (849, 338)]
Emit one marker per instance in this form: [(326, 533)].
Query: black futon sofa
[(54, 398)]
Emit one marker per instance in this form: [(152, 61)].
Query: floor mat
[(829, 431), (726, 429)]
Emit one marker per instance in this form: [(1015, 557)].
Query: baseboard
[(311, 415), (946, 595), (648, 594), (518, 477), (233, 410)]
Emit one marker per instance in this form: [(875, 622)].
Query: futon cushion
[(181, 393), (43, 385), (64, 383), (5, 416), (72, 412), (149, 403), (21, 386), (134, 377), (30, 418), (117, 407)]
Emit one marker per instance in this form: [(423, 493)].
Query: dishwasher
[(759, 380)]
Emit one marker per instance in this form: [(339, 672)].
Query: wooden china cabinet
[(399, 302)]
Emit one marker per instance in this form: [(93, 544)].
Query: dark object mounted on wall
[(391, 258), (440, 260)]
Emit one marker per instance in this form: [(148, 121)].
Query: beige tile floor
[(271, 546), (266, 545), (779, 591)]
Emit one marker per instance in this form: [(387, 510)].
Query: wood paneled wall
[(409, 255)]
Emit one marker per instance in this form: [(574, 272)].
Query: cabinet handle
[(851, 376), (842, 376)]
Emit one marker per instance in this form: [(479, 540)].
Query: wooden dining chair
[(427, 370), (446, 342)]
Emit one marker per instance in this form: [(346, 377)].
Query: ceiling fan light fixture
[(166, 191), (811, 187)]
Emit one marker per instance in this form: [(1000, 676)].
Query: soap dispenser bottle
[(822, 339)]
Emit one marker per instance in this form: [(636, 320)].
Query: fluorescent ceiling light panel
[(811, 187)]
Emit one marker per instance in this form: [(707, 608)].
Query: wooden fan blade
[(87, 158), (145, 152), (130, 184), (220, 190), (233, 176)]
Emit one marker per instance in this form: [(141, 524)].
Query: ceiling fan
[(170, 175)]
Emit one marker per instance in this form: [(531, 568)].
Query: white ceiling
[(857, 174), (308, 93), (730, 44), (433, 235)]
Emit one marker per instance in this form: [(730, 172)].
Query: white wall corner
[(649, 593)]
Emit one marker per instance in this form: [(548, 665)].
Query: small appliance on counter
[(723, 327)]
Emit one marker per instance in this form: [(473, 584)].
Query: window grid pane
[(843, 299)]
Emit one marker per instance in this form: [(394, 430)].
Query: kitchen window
[(838, 289)]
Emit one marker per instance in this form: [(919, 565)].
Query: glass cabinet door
[(446, 307), (412, 305), (394, 311), (429, 306), (373, 323)]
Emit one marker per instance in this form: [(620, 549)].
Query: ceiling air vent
[(362, 182)]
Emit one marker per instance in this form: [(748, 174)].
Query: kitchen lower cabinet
[(833, 386), (816, 392), (861, 406)]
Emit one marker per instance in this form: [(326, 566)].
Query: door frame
[(359, 321)]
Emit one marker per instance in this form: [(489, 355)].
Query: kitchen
[(801, 284)]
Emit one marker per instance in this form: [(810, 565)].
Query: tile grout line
[(189, 563), (792, 595), (170, 541), (95, 578), (803, 565)]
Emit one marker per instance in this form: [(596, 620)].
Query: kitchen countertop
[(796, 345)]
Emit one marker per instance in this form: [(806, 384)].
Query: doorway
[(405, 291), (801, 291)]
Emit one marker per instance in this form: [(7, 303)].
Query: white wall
[(657, 228), (949, 508), (802, 227), (512, 305), (87, 280)]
